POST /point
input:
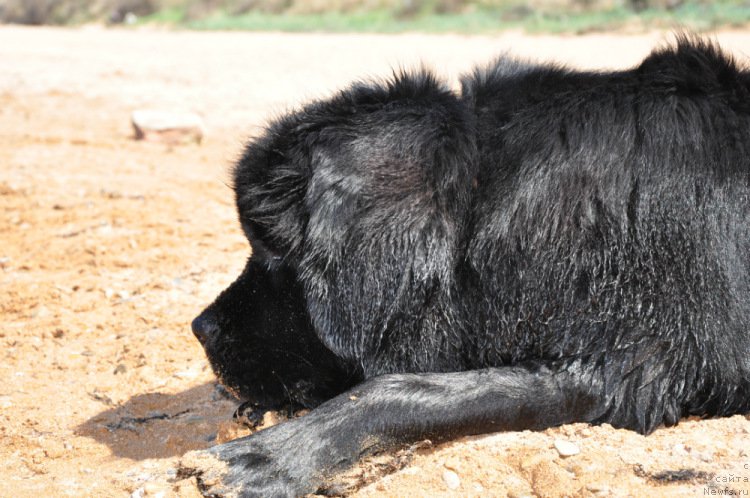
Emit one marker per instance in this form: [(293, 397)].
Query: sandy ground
[(111, 246)]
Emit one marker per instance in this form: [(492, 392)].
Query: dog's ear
[(270, 182), (385, 204)]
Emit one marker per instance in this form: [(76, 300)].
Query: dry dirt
[(110, 247)]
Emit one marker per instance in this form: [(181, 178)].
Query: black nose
[(204, 326)]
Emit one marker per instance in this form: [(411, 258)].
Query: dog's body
[(549, 246)]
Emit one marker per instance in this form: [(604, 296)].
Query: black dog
[(549, 246)]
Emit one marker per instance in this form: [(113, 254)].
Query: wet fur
[(547, 246)]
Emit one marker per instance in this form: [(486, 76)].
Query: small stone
[(167, 126), (566, 448), (451, 479), (120, 369)]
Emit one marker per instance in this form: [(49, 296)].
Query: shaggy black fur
[(549, 246)]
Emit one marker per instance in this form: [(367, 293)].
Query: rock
[(167, 126), (451, 479), (566, 448)]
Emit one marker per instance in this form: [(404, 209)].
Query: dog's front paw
[(259, 465)]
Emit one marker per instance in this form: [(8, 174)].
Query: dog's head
[(353, 208), (257, 334)]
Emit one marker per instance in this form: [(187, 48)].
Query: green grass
[(171, 16), (696, 16)]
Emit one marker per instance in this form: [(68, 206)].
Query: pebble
[(566, 448), (451, 479)]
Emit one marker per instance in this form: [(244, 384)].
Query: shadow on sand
[(158, 425)]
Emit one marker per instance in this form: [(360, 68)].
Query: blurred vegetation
[(464, 16)]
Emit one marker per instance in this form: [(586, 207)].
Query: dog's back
[(611, 228)]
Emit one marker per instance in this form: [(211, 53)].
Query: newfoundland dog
[(545, 246)]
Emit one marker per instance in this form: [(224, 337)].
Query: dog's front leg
[(299, 456)]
